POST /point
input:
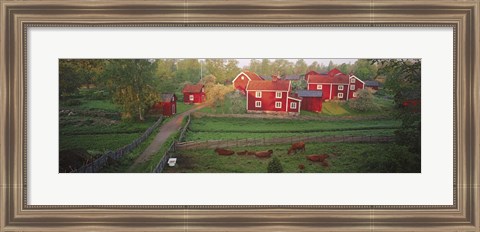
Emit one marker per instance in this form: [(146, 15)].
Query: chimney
[(275, 78)]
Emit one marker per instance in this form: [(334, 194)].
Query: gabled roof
[(166, 97), (372, 83), (252, 75), (292, 77), (192, 88), (266, 77), (337, 78), (309, 93), (278, 85)]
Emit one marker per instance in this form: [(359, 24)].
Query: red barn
[(311, 100), (193, 94), (335, 85), (167, 105), (241, 80), (271, 96)]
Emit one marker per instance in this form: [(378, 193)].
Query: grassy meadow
[(343, 158)]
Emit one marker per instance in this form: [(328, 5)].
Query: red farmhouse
[(335, 84), (193, 93), (241, 80), (311, 100), (167, 104), (271, 97)]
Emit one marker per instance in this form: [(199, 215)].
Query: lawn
[(343, 158), (335, 108)]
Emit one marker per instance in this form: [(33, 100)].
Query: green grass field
[(344, 158)]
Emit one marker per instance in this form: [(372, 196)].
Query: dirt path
[(165, 131)]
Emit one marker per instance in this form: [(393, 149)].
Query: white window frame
[(340, 87), (319, 87), (293, 105), (277, 94), (258, 94), (340, 95), (258, 104), (278, 105), (352, 87), (191, 97), (352, 80)]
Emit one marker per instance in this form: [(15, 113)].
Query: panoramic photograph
[(258, 115)]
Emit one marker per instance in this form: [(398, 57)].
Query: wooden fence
[(211, 144), (103, 160), (171, 150)]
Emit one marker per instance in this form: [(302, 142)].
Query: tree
[(363, 102), (237, 102), (165, 72), (188, 70), (133, 85), (73, 73), (266, 70), (403, 80), (314, 66), (215, 95), (274, 166), (216, 67), (300, 67), (365, 70), (299, 85), (231, 70), (330, 66)]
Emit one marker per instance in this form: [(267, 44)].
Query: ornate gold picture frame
[(17, 16)]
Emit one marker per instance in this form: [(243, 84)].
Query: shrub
[(274, 166), (364, 102), (393, 159)]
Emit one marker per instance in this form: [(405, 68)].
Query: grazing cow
[(242, 152), (222, 151), (317, 158), (251, 153), (296, 146), (264, 154)]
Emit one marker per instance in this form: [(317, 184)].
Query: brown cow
[(296, 146), (222, 151), (242, 152), (317, 158), (264, 154), (251, 153)]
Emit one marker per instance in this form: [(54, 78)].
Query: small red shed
[(193, 94), (167, 104), (240, 82), (311, 100)]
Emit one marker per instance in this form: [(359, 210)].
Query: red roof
[(334, 72), (338, 78), (252, 75), (278, 85), (192, 88)]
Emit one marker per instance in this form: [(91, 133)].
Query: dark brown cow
[(222, 151), (264, 154), (242, 152), (296, 147), (317, 158)]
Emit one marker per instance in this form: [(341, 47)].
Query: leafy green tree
[(300, 67), (70, 78), (133, 85), (255, 66), (231, 70), (274, 166), (165, 72), (237, 102), (215, 95), (266, 70), (314, 66), (403, 80), (365, 70), (364, 102), (299, 85), (330, 66), (188, 70)]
